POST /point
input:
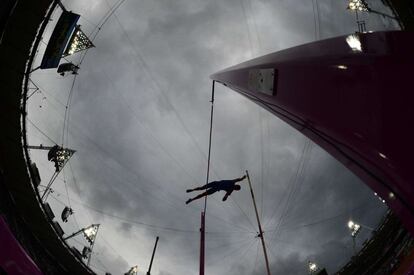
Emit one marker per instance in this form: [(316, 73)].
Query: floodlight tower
[(313, 268), (59, 156), (362, 6), (89, 233), (56, 154), (358, 5), (355, 229), (132, 271)]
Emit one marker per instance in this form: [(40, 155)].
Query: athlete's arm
[(240, 179), (228, 193)]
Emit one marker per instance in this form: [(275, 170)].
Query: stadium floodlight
[(354, 227), (56, 154), (312, 267), (59, 156), (362, 6), (90, 232), (358, 5), (78, 42), (133, 271)]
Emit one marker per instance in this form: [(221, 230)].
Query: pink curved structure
[(354, 96), (13, 258)]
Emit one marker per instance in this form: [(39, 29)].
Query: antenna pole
[(152, 257), (260, 226)]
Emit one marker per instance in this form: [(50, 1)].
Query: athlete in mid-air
[(222, 185)]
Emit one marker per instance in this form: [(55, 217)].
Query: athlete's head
[(237, 187)]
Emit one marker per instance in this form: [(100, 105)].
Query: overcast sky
[(139, 121)]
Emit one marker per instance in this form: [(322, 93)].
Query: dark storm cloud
[(139, 121)]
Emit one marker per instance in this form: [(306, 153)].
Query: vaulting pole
[(260, 226)]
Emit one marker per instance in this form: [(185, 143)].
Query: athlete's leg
[(204, 194), (197, 188), (197, 197), (208, 185)]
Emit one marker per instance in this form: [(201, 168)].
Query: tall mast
[(203, 214), (202, 240)]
